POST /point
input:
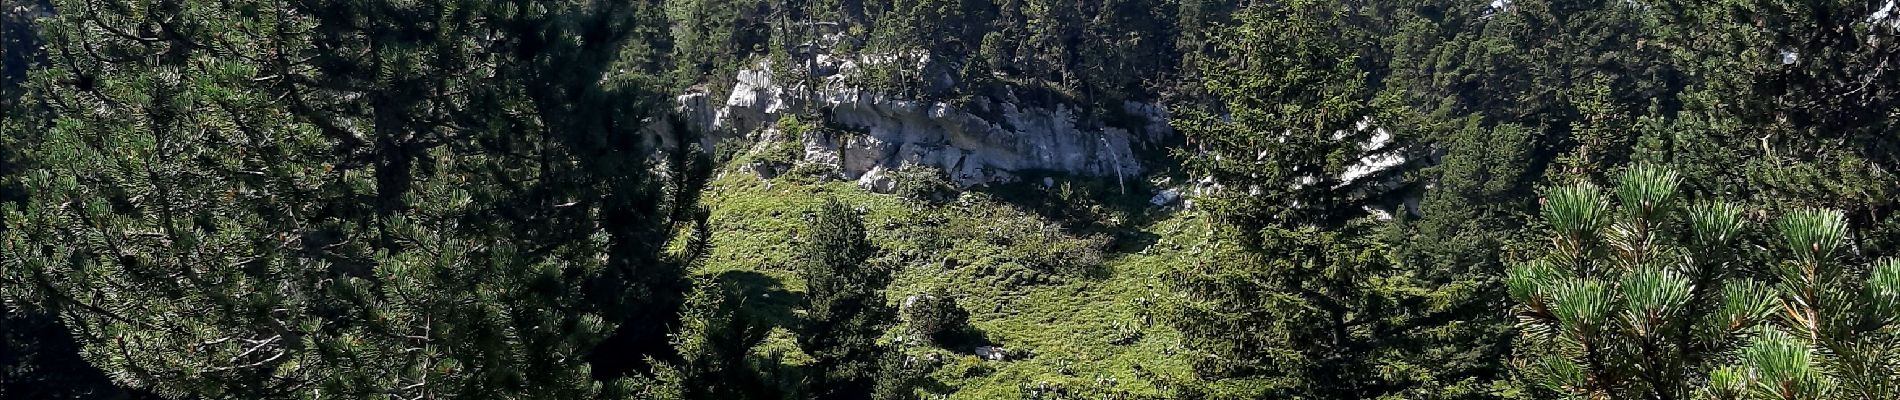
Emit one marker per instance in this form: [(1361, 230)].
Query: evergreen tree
[(1475, 214), (1300, 314), (1298, 294), (1655, 296), (471, 198), (1792, 108), (1286, 121), (845, 311), (899, 375), (19, 44), (935, 316), (1634, 300), (362, 199), (38, 360), (717, 342)]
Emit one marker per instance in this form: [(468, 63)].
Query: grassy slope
[(1068, 320)]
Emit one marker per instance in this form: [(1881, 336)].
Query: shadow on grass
[(765, 297), (1086, 205), (964, 340)]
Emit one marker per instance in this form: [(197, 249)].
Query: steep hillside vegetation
[(969, 199), (1071, 299)]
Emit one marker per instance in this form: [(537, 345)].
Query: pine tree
[(1634, 297), (1792, 107), (1289, 103), (1473, 221), (1656, 296), (717, 342), (38, 360), (845, 311), (935, 317), (361, 199), (1297, 315), (19, 44), (1299, 292)]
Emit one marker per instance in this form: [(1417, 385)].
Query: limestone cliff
[(993, 138)]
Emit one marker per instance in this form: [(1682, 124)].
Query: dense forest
[(1361, 199)]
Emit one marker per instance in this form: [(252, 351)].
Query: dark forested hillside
[(898, 199)]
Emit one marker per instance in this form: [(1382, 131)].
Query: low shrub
[(922, 184), (936, 316)]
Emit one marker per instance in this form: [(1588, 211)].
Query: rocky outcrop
[(992, 138), (1377, 179)]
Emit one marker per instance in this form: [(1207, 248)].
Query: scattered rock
[(1379, 213), (992, 353), (1165, 197), (765, 170), (877, 180)]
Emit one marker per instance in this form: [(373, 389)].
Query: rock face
[(1164, 197), (992, 139)]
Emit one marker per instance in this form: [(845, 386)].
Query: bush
[(786, 150), (1019, 248), (1045, 247), (781, 152), (810, 172), (794, 129), (902, 373), (936, 316), (921, 183)]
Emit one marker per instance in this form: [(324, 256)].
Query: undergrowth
[(1060, 281)]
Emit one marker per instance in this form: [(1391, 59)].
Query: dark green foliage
[(935, 316), (1284, 126), (19, 49), (38, 360), (1300, 294), (1095, 51), (711, 38), (370, 199), (1313, 313), (717, 342), (1473, 223), (1659, 296), (845, 309), (19, 44), (899, 375), (1813, 132), (922, 184), (363, 199)]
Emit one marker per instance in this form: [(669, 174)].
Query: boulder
[(992, 353), (877, 180), (1165, 197)]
